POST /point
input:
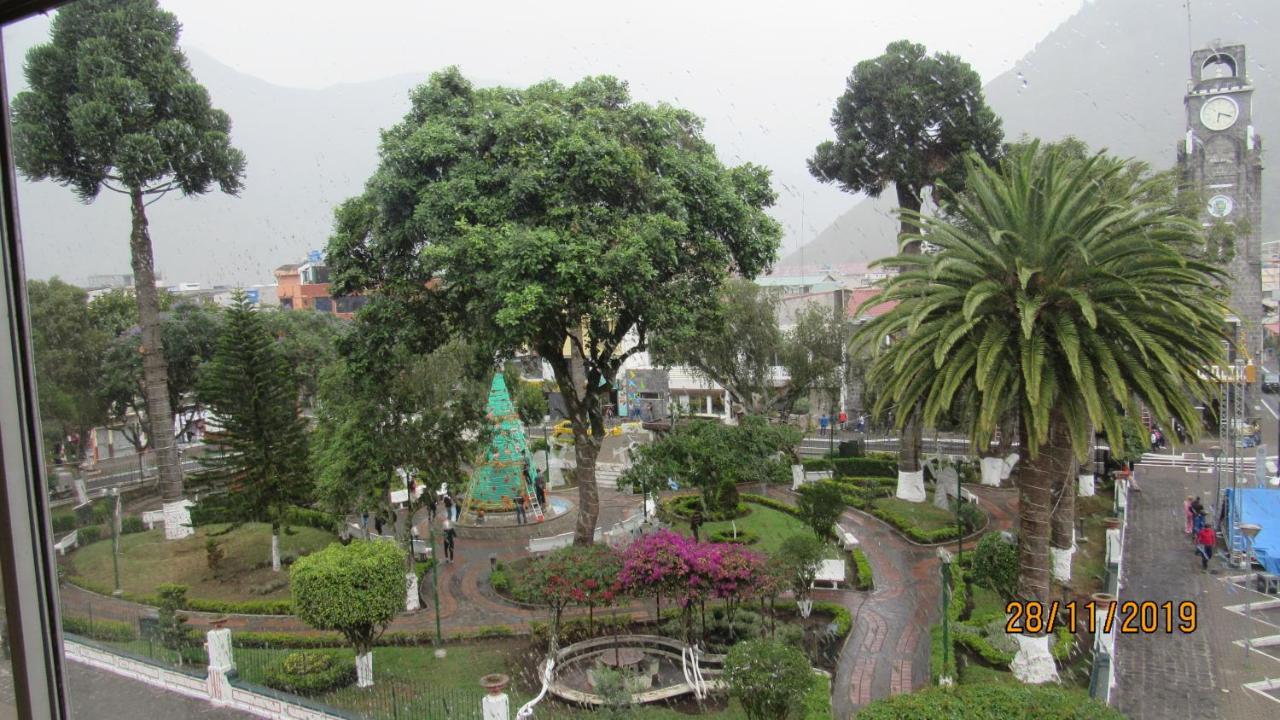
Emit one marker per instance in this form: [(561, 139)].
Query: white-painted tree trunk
[(364, 670), (1086, 485), (1034, 664), (411, 601), (911, 486), (992, 467), (275, 552), (177, 520), (1062, 562), (806, 607)]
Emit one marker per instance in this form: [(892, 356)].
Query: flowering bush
[(587, 575)]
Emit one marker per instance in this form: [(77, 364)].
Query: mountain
[(307, 151), (1113, 75)]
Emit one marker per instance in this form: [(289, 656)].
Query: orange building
[(305, 286)]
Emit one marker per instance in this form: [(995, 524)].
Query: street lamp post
[(945, 677), (115, 540), (1249, 530), (435, 586), (1216, 452)]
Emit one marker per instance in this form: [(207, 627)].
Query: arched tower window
[(1218, 66)]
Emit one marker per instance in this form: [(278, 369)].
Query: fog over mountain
[(1113, 75)]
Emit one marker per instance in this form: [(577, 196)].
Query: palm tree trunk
[(910, 474), (177, 519), (1036, 479), (1063, 524)]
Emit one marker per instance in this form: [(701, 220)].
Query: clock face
[(1220, 206), (1219, 113)]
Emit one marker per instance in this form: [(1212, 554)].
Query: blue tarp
[(1262, 507)]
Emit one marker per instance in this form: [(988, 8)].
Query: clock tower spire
[(1221, 157)]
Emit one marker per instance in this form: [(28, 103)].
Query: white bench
[(968, 495), (808, 477), (67, 542), (830, 572), (151, 517), (421, 550), (847, 539)]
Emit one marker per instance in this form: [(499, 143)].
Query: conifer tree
[(253, 394)]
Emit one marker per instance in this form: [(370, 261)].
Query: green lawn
[(923, 515), (412, 682), (148, 560), (771, 526)]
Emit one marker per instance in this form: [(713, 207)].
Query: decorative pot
[(495, 683)]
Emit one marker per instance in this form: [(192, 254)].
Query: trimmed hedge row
[(995, 701), (105, 630), (864, 578), (243, 607), (855, 466), (310, 673), (292, 641), (219, 509), (744, 537), (684, 506), (924, 537)]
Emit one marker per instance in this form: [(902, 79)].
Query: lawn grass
[(922, 515), (771, 526), (147, 560), (412, 682)]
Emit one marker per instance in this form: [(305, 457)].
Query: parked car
[(1271, 382)]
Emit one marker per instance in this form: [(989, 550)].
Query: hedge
[(63, 523), (924, 537), (864, 579), (744, 537), (295, 641), (243, 607), (855, 466), (105, 630), (994, 701), (839, 614), (304, 673), (220, 509), (683, 506)]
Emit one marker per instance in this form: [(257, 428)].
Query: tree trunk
[(586, 449), (1037, 480), (910, 474), (275, 548), (156, 374), (364, 666), (1063, 523)]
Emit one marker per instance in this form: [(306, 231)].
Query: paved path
[(1176, 676)]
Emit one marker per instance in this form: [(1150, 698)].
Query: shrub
[(817, 702), (866, 467), (171, 626), (130, 525), (499, 581), (91, 534), (769, 678), (820, 506), (63, 523), (684, 506), (744, 537), (865, 581), (309, 673), (997, 701), (105, 630), (995, 565), (306, 517)]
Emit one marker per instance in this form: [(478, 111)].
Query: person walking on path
[(1197, 515), (1186, 509), (695, 522), (449, 535), (448, 509), (431, 508), (540, 492), (822, 425), (1205, 541), (520, 518)]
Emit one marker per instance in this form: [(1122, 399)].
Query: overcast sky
[(764, 75)]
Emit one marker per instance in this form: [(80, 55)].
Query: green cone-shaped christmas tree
[(506, 470)]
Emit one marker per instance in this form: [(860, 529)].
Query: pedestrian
[(540, 492), (1180, 431), (1205, 541), (695, 522), (364, 523), (822, 424), (844, 418), (1186, 509), (1197, 515), (520, 518), (448, 508), (862, 423), (1155, 441), (449, 535), (431, 508), (377, 524)]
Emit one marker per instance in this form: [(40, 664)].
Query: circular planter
[(1103, 598), (1112, 523), (495, 683)]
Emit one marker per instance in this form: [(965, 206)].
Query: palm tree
[(1061, 291)]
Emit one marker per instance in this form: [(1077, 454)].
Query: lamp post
[(945, 678), (115, 541), (435, 586), (1216, 452), (1249, 530)]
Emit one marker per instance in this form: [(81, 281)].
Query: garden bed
[(923, 522)]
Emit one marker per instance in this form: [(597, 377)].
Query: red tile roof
[(861, 295)]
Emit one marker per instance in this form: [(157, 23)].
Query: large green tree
[(309, 341), (1061, 304), (113, 104), (68, 358), (906, 118), (190, 334), (571, 221), (734, 341), (813, 355), (262, 448)]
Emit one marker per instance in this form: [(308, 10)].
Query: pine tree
[(250, 388)]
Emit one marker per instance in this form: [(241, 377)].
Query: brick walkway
[(1176, 675)]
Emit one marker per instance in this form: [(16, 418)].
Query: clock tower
[(1221, 157)]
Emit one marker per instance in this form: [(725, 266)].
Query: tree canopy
[(571, 221), (68, 348), (354, 589)]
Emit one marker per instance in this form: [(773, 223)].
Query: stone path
[(1177, 675)]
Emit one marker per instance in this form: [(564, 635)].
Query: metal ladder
[(535, 507)]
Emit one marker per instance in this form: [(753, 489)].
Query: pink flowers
[(669, 563)]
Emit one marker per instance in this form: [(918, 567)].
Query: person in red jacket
[(1205, 540)]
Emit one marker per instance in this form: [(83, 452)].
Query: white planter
[(1062, 562), (1086, 485), (364, 670), (911, 486), (275, 553), (992, 467), (411, 601), (177, 520)]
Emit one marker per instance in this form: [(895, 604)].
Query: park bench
[(847, 539), (151, 517), (830, 572), (67, 542)]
